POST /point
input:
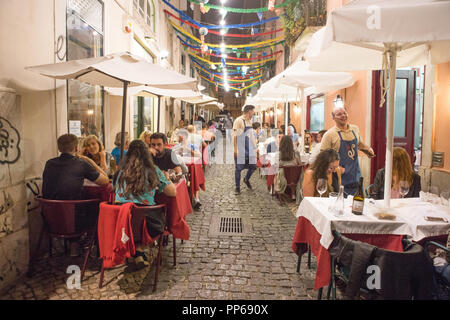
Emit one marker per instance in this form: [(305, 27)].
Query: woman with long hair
[(286, 156), (93, 149), (137, 180), (401, 171), (326, 166)]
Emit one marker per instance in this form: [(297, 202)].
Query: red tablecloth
[(205, 156), (305, 233), (177, 208), (197, 177), (97, 192)]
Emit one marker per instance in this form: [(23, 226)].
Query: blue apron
[(247, 155), (348, 153)]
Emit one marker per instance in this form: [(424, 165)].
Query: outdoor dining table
[(177, 208), (197, 177), (93, 191), (316, 223)]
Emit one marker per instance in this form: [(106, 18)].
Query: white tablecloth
[(410, 219)]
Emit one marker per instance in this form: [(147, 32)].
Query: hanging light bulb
[(222, 22), (223, 32), (338, 103)]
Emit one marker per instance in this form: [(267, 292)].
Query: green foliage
[(293, 21)]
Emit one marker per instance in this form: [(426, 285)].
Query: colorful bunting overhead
[(236, 67), (241, 10)]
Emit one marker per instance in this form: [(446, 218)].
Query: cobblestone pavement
[(257, 266)]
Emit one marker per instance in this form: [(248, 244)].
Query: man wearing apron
[(345, 139), (244, 147)]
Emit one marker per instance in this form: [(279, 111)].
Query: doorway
[(407, 120)]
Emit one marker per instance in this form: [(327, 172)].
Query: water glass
[(332, 202)]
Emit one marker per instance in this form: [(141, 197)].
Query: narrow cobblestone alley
[(260, 265)]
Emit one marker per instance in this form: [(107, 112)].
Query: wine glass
[(321, 186), (445, 197), (403, 187)]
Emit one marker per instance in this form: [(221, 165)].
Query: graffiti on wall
[(33, 191), (6, 203), (9, 142)]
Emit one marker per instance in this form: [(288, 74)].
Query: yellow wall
[(441, 141)]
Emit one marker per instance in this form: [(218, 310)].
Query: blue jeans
[(237, 173)]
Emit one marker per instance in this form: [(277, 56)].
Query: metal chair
[(67, 219), (292, 175), (344, 268)]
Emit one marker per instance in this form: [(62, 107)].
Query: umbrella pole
[(124, 111), (303, 120), (159, 113), (286, 115), (392, 55)]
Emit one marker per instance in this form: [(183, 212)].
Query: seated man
[(164, 158), (63, 176), (63, 179)]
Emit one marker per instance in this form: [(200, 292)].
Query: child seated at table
[(137, 181)]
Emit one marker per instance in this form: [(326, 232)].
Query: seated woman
[(137, 180), (286, 157), (401, 171), (118, 141), (93, 149), (326, 167), (145, 136)]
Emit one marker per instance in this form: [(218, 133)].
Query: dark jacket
[(403, 275), (378, 186)]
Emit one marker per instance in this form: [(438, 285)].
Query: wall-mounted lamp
[(90, 112), (278, 111), (338, 103), (296, 109), (271, 113), (164, 54)]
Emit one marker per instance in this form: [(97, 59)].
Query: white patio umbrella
[(277, 91), (212, 105), (299, 76), (148, 91), (117, 70), (383, 34)]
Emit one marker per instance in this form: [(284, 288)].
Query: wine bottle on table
[(358, 199)]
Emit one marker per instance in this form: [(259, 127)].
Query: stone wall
[(14, 247)]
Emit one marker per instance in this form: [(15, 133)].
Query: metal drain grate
[(233, 226), (230, 225)]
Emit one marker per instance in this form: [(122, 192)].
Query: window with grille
[(146, 10)]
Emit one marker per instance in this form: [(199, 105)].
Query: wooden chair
[(67, 219)]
